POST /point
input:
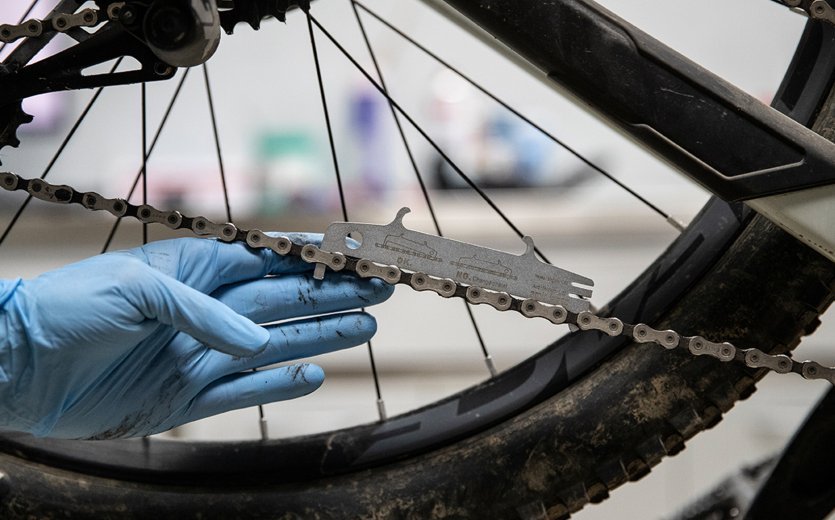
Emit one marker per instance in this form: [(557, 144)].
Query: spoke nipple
[(262, 424), (491, 367)]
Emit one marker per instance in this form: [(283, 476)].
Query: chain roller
[(699, 346), (442, 286), (369, 269), (312, 254), (446, 287), (534, 309), (589, 321), (150, 215), (49, 192), (204, 227), (95, 202), (259, 240), (497, 300), (643, 333), (756, 358)]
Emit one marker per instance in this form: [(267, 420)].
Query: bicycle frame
[(210, 465), (718, 135)]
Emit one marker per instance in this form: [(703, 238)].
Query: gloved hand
[(137, 342)]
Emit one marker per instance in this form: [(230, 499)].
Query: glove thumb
[(162, 298)]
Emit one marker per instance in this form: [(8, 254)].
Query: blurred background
[(281, 177)]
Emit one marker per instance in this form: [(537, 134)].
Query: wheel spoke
[(518, 114), (327, 119), (263, 427), (210, 98), (57, 154), (488, 359), (381, 406), (144, 172), (426, 136), (150, 149)]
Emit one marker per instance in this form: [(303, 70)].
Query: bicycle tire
[(550, 456)]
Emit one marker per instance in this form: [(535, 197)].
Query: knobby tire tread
[(609, 428)]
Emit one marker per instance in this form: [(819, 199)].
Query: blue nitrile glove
[(137, 342)]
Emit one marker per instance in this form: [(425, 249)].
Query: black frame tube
[(723, 138)]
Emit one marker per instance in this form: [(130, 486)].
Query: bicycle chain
[(61, 22), (815, 9), (445, 287)]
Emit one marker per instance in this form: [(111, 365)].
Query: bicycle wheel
[(541, 439)]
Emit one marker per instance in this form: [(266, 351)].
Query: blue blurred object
[(368, 112)]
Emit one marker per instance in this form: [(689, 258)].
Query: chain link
[(445, 287), (61, 22), (815, 9)]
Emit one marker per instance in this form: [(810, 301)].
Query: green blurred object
[(290, 172)]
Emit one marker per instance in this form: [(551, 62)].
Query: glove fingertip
[(366, 324), (303, 378), (310, 373)]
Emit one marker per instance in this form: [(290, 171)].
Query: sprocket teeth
[(12, 117), (253, 11)]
